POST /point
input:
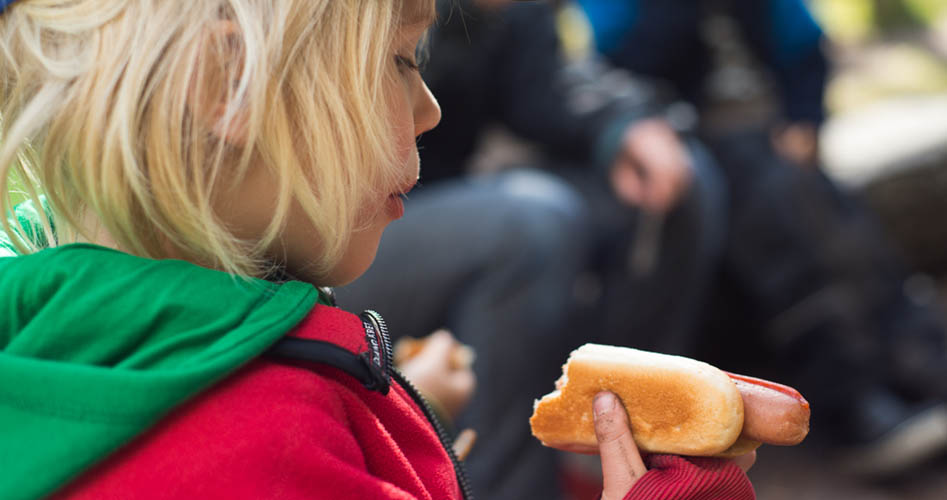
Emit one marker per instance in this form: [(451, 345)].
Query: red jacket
[(274, 430)]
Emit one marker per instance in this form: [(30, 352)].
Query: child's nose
[(427, 113)]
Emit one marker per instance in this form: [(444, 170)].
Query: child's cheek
[(404, 138), (403, 130)]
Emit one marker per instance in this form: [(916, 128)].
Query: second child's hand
[(439, 373)]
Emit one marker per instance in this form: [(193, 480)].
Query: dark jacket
[(505, 67), (664, 39)]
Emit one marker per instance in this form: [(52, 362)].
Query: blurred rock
[(894, 155)]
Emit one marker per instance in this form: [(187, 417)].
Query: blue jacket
[(661, 38)]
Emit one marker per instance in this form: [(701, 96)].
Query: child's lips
[(395, 206)]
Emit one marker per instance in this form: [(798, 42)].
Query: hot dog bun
[(675, 405)]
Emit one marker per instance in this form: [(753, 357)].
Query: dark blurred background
[(887, 135), (886, 141)]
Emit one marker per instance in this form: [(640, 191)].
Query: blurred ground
[(805, 473), (801, 473)]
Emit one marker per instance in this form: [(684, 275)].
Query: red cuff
[(697, 478)]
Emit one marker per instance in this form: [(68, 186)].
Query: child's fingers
[(621, 463), (746, 461), (438, 346), (442, 348), (464, 381)]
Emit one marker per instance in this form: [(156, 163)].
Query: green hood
[(97, 345)]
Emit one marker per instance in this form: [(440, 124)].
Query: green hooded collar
[(97, 345)]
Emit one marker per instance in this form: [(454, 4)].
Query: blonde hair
[(99, 112)]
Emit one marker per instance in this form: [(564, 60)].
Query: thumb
[(621, 463)]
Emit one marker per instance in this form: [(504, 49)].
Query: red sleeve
[(694, 478)]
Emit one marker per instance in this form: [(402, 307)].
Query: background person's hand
[(435, 371), (652, 170), (798, 143)]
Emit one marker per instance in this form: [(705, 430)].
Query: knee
[(545, 221), (546, 195)]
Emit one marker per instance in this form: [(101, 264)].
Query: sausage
[(772, 413)]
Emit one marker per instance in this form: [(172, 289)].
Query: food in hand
[(675, 405)]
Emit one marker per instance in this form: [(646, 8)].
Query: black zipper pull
[(379, 358)]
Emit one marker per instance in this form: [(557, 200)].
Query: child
[(193, 157)]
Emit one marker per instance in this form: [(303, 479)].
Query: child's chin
[(346, 272)]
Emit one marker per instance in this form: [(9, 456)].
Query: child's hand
[(746, 461), (622, 465), (440, 367)]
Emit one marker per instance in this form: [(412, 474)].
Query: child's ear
[(213, 91)]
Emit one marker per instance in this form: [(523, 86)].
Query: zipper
[(422, 403), (439, 429), (379, 357)]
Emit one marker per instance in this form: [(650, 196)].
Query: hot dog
[(772, 413), (675, 405)]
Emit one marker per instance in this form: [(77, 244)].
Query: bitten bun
[(675, 405)]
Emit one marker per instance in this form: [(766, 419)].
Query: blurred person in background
[(807, 277), (495, 258), (628, 194)]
